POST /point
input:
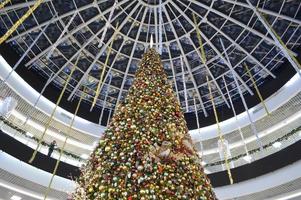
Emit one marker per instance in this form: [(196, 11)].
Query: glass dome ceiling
[(66, 33)]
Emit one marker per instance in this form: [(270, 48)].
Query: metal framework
[(57, 32)]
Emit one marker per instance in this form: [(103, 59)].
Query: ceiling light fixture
[(29, 134), (277, 145), (248, 158)]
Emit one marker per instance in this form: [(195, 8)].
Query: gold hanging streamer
[(219, 132), (256, 88), (63, 147), (4, 3), (53, 111), (198, 32), (103, 71), (20, 21), (279, 39)]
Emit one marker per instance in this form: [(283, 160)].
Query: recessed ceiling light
[(277, 144), (15, 197), (29, 134), (247, 158)]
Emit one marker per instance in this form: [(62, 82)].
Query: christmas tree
[(146, 152)]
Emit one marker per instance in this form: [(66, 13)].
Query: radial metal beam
[(243, 50), (105, 100), (70, 13), (219, 131), (17, 6), (206, 66), (173, 74), (160, 26), (148, 31), (111, 67), (198, 125), (109, 117), (172, 67), (293, 61), (130, 58), (243, 99), (69, 61), (269, 12), (101, 51), (38, 26), (25, 54), (186, 61), (220, 55), (255, 32), (236, 118), (100, 82), (20, 21), (156, 27), (184, 84), (230, 39), (107, 24), (69, 34), (58, 41)]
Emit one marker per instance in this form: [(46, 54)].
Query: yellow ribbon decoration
[(4, 3), (20, 21), (279, 39), (53, 111), (256, 88), (219, 132), (103, 71), (62, 149), (198, 32)]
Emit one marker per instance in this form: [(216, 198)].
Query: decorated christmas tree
[(146, 152)]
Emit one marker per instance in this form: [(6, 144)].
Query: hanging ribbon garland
[(2, 4), (63, 147), (279, 39), (198, 33), (103, 71), (23, 56), (53, 111), (105, 100), (236, 119), (184, 84), (292, 135), (198, 125), (20, 21), (219, 131), (256, 88), (254, 130)]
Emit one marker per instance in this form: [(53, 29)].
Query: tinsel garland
[(11, 125), (253, 151), (221, 162)]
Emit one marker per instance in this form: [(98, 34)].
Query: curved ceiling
[(62, 34)]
